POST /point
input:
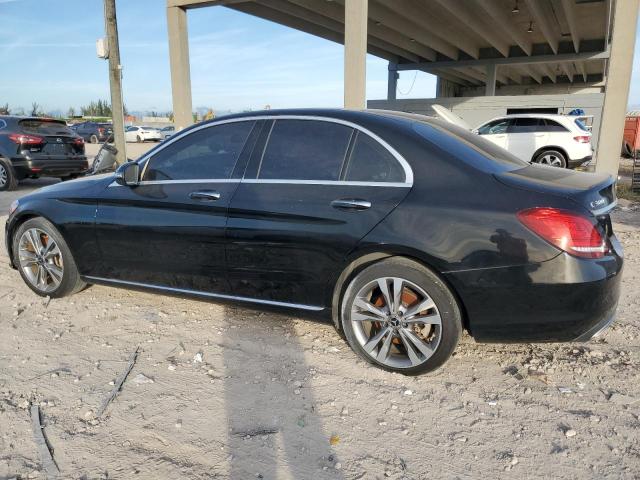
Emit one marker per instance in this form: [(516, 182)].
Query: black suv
[(36, 147), (93, 132)]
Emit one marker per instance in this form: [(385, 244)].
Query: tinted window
[(305, 150), (210, 153), (45, 127), (552, 126), (526, 125), (371, 162), (495, 127)]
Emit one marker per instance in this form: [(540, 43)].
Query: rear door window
[(526, 125), (305, 150), (210, 153), (44, 127), (372, 162)]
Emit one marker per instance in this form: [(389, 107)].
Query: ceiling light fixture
[(530, 29), (515, 8)]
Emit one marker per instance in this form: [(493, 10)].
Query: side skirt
[(197, 293)]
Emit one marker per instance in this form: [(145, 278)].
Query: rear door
[(169, 230), (314, 189)]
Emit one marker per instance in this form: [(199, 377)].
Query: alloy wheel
[(40, 260), (4, 175), (551, 159), (396, 322)]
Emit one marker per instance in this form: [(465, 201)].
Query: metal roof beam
[(462, 11), (336, 12), (388, 17), (568, 57), (568, 6), (501, 17), (543, 19)]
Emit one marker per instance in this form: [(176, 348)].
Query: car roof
[(551, 116)]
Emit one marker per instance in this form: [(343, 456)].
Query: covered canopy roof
[(531, 40)]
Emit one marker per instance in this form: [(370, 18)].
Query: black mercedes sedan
[(32, 147), (404, 230)]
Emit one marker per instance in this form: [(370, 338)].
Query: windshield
[(467, 146), (45, 127)]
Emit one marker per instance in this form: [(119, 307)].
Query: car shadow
[(274, 429)]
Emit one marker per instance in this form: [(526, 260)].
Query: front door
[(496, 132), (308, 197), (169, 230), (525, 136)]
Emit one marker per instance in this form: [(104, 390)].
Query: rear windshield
[(45, 127), (467, 146), (581, 125)]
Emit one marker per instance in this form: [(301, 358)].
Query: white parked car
[(557, 140), (142, 134), (167, 131)]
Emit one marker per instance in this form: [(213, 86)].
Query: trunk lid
[(593, 191)]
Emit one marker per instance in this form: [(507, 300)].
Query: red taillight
[(78, 141), (582, 138), (566, 230), (100, 130), (26, 139)]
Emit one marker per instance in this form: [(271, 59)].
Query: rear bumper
[(50, 166), (561, 300)]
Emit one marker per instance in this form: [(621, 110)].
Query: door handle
[(351, 204), (205, 195)]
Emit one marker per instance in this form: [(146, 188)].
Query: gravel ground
[(220, 391)]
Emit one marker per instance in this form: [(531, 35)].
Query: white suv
[(557, 140)]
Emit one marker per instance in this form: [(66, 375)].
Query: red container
[(631, 141)]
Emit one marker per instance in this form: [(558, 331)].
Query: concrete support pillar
[(490, 90), (180, 71), (623, 38), (355, 53), (392, 82)]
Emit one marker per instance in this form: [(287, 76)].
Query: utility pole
[(115, 79)]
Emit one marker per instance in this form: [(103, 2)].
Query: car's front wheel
[(552, 158), (44, 259), (138, 139), (400, 316), (8, 180)]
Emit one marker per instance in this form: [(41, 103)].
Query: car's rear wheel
[(552, 158), (8, 179), (44, 259), (93, 139), (400, 316)]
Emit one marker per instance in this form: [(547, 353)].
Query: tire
[(52, 274), (552, 158), (8, 179), (437, 333), (626, 150), (68, 177), (138, 139), (93, 139)]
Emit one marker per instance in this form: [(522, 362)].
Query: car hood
[(76, 186)]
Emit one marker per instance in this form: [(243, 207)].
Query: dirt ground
[(222, 391)]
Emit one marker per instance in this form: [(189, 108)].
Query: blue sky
[(47, 53)]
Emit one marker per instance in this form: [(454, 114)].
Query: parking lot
[(223, 391)]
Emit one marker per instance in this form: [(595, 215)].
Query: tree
[(36, 110), (4, 109), (71, 112)]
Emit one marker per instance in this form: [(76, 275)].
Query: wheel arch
[(552, 148), (361, 260)]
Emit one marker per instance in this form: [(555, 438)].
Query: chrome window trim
[(220, 296), (408, 172)]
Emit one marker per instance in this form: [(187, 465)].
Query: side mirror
[(128, 174)]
